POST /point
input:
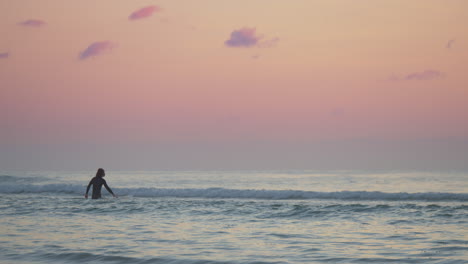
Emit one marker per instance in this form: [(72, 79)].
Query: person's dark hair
[(100, 173)]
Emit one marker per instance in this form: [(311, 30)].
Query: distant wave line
[(240, 193)]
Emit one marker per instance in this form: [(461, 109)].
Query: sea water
[(235, 217)]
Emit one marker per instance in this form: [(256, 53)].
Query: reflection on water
[(235, 230)]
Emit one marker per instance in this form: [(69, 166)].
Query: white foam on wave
[(238, 193)]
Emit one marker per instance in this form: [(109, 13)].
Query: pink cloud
[(244, 37), (95, 49), (32, 23), (425, 75), (4, 55), (247, 37), (144, 12)]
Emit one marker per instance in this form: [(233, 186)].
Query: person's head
[(100, 173)]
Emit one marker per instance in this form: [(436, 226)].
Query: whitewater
[(235, 217)]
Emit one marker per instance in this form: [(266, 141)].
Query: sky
[(227, 85)]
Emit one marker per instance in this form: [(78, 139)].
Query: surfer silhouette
[(97, 183)]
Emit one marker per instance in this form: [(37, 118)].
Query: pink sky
[(216, 84)]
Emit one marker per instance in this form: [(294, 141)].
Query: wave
[(80, 257), (17, 179), (239, 193)]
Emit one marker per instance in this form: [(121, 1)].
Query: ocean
[(235, 217)]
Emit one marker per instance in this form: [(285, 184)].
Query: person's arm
[(87, 188), (109, 189)]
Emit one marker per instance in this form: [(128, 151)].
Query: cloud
[(32, 23), (268, 43), (95, 49), (450, 44), (247, 37), (418, 76), (144, 12), (425, 75), (4, 55), (244, 37)]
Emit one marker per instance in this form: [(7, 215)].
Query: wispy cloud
[(95, 49), (419, 76), (144, 12), (32, 23), (4, 55), (268, 43), (450, 44), (424, 75)]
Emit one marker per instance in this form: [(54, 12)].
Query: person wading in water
[(97, 183)]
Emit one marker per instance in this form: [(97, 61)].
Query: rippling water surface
[(235, 217)]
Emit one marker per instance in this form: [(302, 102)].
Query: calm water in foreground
[(235, 217)]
